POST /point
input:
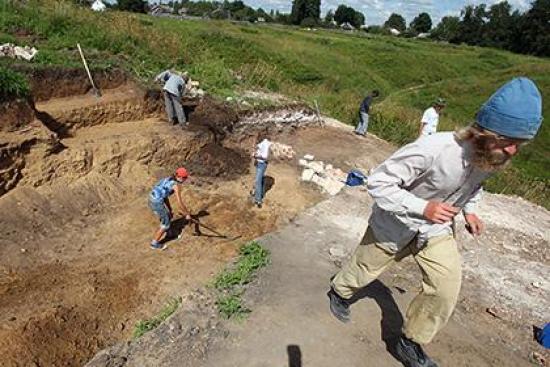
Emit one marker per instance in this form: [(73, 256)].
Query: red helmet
[(181, 173)]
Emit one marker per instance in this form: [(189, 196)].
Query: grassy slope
[(334, 68)]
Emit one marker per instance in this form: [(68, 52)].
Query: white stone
[(317, 166), (332, 187), (337, 252), (309, 157), (303, 163), (307, 174)]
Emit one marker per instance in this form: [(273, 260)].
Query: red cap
[(181, 173)]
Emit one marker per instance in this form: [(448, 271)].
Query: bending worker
[(174, 88), (159, 203), (417, 193)]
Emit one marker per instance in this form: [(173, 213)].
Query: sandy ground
[(76, 272)]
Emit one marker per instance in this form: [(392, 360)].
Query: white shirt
[(435, 167), (430, 119), (262, 150)]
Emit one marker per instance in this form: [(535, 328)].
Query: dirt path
[(291, 324)]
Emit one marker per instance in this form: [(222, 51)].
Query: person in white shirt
[(261, 157), (417, 192), (430, 118)]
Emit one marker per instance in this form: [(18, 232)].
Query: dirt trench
[(76, 272)]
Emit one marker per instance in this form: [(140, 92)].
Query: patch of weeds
[(229, 283), (252, 256), (144, 326), (13, 85), (231, 306)]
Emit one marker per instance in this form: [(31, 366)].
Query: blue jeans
[(363, 123), (174, 109), (160, 209), (261, 166)]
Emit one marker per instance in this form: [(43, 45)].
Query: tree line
[(497, 25)]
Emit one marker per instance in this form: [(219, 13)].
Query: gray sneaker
[(411, 354), (339, 306)]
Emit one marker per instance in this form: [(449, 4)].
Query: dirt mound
[(56, 82), (215, 117), (214, 160)]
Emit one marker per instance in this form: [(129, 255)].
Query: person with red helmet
[(159, 203)]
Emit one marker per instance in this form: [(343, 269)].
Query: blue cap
[(514, 111)]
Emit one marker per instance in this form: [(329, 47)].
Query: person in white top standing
[(430, 118), (261, 157)]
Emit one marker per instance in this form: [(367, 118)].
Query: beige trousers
[(440, 264)]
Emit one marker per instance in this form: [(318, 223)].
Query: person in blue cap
[(417, 193)]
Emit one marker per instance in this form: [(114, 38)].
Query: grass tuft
[(13, 85), (229, 283), (144, 326)]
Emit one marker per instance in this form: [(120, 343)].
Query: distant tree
[(447, 29), (347, 14), (533, 36), (330, 16), (502, 25), (302, 9), (137, 6), (422, 23), (396, 21), (472, 26)]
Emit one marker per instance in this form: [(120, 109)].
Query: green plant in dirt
[(252, 256), (229, 283), (231, 306), (13, 85), (144, 326)]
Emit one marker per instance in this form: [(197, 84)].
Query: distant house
[(161, 10), (423, 35), (347, 26), (260, 20), (183, 11), (98, 6), (394, 32)]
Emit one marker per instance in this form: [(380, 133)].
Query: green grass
[(332, 67), (144, 326), (229, 283), (13, 85)]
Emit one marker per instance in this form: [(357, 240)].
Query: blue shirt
[(163, 189), (173, 83)]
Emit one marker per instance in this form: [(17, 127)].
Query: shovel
[(96, 91), (214, 231)]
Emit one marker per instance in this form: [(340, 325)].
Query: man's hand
[(474, 225), (439, 212)]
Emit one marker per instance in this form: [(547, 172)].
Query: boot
[(411, 354), (339, 306)]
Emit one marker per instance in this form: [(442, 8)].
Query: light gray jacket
[(173, 83), (435, 167)]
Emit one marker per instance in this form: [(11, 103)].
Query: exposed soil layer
[(76, 271), (56, 82), (16, 114)]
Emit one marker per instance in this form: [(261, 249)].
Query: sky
[(377, 11)]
